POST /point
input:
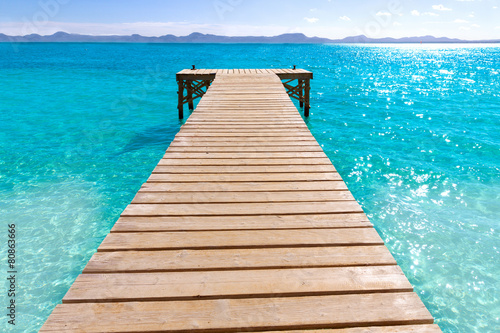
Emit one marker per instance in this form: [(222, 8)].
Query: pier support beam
[(307, 91), (299, 91), (196, 85)]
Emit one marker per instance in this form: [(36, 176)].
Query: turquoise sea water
[(414, 131)]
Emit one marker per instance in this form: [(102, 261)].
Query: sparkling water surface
[(413, 130)]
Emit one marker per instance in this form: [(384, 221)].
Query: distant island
[(196, 37)]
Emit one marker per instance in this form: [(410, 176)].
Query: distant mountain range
[(196, 37)]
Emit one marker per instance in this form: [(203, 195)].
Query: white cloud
[(464, 28), (417, 13), (475, 26), (397, 24), (383, 14), (460, 21), (440, 7), (311, 19), (344, 18)]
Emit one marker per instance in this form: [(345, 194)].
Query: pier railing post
[(180, 93)]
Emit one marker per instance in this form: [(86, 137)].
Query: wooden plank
[(248, 122), (284, 208), (242, 177), (246, 161), (124, 287), (207, 127), (265, 149), (371, 329), (240, 197), (243, 169), (150, 241), (237, 259), (315, 312), (245, 155), (268, 135), (247, 131), (258, 222), (214, 142), (275, 141), (190, 141), (245, 187)]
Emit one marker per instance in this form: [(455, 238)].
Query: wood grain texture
[(124, 287), (223, 209), (263, 222), (238, 259), (232, 315)]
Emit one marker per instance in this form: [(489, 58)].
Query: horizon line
[(250, 36)]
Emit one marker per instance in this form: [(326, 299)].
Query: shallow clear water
[(413, 130)]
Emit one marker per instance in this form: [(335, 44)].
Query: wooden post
[(180, 93), (307, 98), (190, 95), (301, 93)]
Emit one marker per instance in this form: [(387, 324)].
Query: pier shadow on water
[(156, 136)]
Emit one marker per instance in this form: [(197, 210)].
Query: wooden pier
[(193, 83), (244, 226)]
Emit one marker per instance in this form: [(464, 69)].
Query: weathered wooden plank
[(243, 169), (214, 142), (245, 187), (244, 161), (237, 259), (371, 329), (231, 315), (269, 135), (283, 208), (258, 222), (266, 149), (244, 155), (240, 197), (275, 141), (149, 241), (242, 177), (125, 287), (245, 122), (225, 127)]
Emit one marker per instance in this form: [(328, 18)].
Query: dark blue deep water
[(413, 130)]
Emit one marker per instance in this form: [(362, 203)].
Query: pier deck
[(244, 225)]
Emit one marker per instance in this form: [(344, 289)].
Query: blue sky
[(467, 19)]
